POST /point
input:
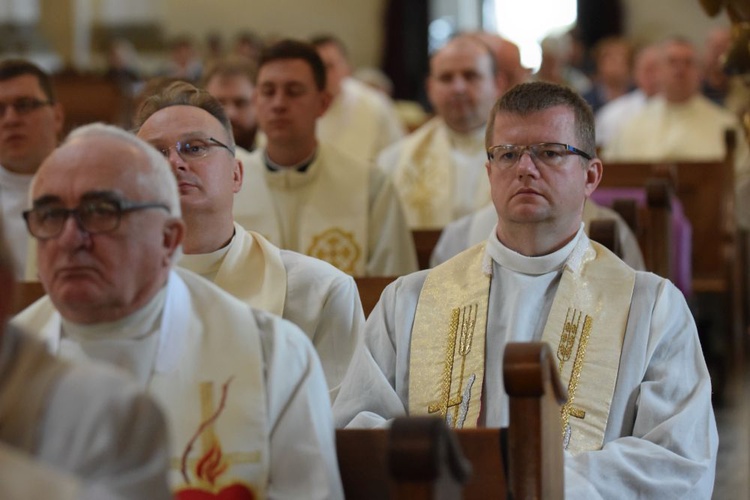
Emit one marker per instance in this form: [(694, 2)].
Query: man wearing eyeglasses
[(183, 123), (30, 122), (638, 421), (437, 169), (242, 390)]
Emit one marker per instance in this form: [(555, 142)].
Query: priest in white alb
[(245, 397), (437, 169), (305, 195), (309, 292), (638, 421)]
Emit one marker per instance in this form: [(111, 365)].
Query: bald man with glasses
[(638, 421), (237, 385)]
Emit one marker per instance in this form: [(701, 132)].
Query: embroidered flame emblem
[(211, 465)]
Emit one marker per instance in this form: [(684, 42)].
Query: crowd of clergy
[(202, 330)]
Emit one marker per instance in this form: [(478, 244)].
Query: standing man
[(232, 82), (638, 420), (238, 386), (314, 295), (304, 194), (360, 121), (437, 169), (31, 120)]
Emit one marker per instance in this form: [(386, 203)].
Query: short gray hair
[(159, 177)]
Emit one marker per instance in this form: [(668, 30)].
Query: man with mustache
[(638, 421), (31, 120), (437, 169)]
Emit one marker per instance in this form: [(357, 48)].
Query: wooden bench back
[(419, 458)]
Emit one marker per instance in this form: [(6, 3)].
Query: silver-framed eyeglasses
[(193, 149), (23, 105), (94, 216), (551, 154)]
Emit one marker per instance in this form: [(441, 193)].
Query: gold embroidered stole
[(334, 224), (215, 402), (424, 176), (446, 367), (253, 271), (586, 328)]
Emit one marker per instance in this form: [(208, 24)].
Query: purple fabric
[(682, 232)]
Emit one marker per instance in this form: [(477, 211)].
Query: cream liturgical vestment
[(337, 209), (439, 174), (252, 419), (472, 229), (85, 421), (647, 430), (310, 293), (14, 197), (690, 131), (360, 121)]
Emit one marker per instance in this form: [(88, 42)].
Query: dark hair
[(183, 94), (295, 49), (532, 97), (12, 68), (230, 66)]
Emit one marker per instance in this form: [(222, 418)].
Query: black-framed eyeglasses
[(23, 105), (193, 149), (552, 154), (92, 216)]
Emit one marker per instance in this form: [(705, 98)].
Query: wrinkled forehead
[(93, 164)]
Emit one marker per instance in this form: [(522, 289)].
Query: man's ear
[(57, 109), (173, 236), (594, 171), (238, 174)]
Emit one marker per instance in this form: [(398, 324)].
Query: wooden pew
[(419, 458), (88, 98), (25, 293), (424, 243), (370, 288)]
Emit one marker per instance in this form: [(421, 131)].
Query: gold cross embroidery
[(459, 404), (570, 329)]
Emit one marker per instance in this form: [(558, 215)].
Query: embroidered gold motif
[(337, 247), (466, 318), (568, 336), (568, 409)]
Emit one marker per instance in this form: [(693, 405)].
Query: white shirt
[(14, 199), (612, 116), (661, 438)]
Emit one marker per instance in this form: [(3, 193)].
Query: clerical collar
[(542, 264), (9, 178), (134, 326), (206, 264), (299, 167)]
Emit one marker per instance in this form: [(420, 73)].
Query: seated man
[(305, 195), (88, 421), (638, 420), (313, 294), (244, 395), (474, 228)]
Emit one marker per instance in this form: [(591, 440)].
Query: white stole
[(208, 378)]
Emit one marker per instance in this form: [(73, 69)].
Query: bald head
[(463, 84)]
